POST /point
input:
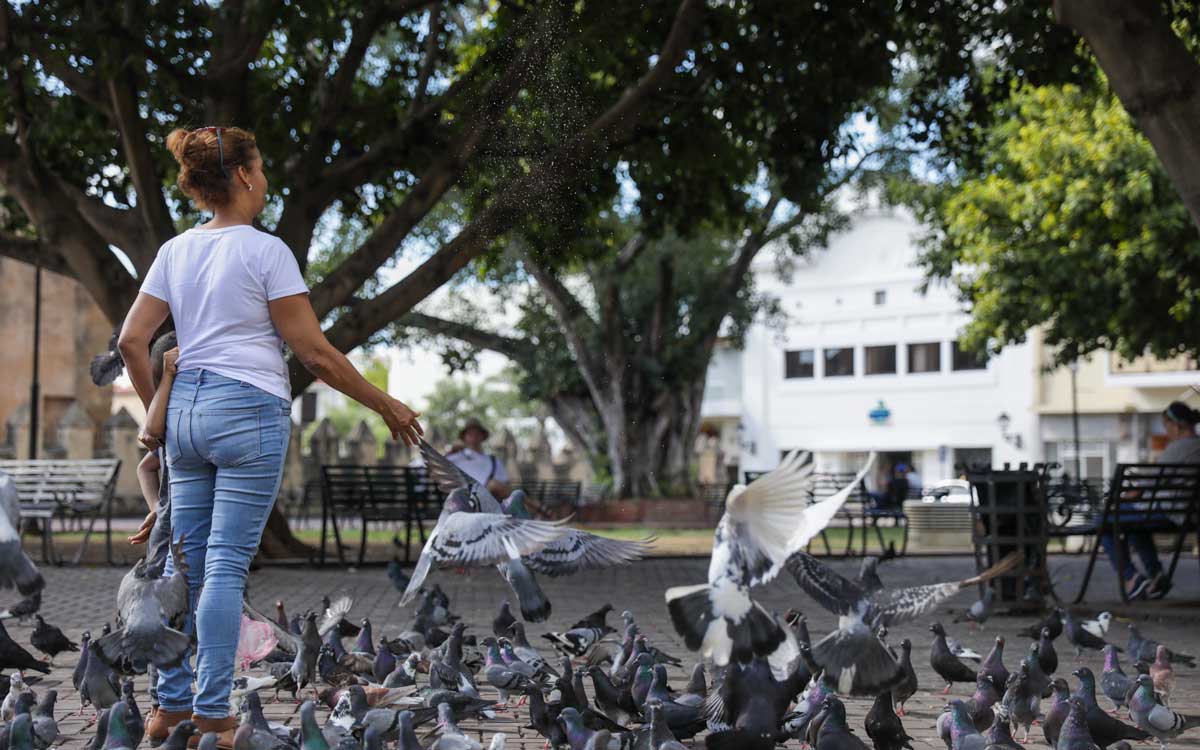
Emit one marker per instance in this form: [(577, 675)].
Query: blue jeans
[(1142, 542), (225, 445)]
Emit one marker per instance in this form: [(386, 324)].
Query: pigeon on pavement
[(49, 639), (1059, 706), (1162, 674), (981, 609), (884, 727), (1146, 649), (993, 666), (946, 664), (1080, 638), (1104, 729), (1155, 718), (1115, 684), (1098, 626), (1053, 621)]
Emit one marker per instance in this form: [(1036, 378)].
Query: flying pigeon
[(853, 654), (16, 569), (764, 524), (151, 610)]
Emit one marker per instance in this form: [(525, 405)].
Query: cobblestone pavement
[(82, 598)]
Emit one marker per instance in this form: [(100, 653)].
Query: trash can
[(1009, 514)]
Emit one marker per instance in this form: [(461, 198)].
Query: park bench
[(375, 494), (1158, 498), (68, 491), (552, 499)]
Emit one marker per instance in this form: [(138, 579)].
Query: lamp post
[(1074, 367), (35, 386)]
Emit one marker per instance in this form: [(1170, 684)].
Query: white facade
[(863, 292)]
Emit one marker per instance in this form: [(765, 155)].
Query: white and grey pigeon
[(763, 524), (475, 530), (853, 655), (1098, 626), (16, 569)]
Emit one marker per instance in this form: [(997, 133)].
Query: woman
[(235, 295), (1183, 447)]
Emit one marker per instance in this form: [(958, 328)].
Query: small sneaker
[(1135, 587), (1158, 587)]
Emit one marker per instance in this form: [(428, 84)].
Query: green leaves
[(1068, 223)]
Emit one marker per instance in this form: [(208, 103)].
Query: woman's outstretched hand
[(402, 421)]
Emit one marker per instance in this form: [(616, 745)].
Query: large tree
[(1069, 223), (425, 127)]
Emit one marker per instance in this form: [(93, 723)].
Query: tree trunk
[(1153, 74)]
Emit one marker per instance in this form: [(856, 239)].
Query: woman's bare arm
[(298, 325), (143, 319)]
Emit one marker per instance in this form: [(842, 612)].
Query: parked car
[(954, 491)]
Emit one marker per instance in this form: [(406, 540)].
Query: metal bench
[(66, 490), (1155, 498), (553, 499), (374, 494)]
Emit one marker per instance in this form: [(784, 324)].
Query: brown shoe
[(160, 723), (224, 729)]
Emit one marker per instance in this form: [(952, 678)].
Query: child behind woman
[(152, 470)]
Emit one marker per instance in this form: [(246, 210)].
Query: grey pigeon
[(946, 664), (99, 686), (1104, 729), (999, 734), (907, 687), (118, 731), (133, 718), (504, 678), (981, 609), (16, 569), (1022, 703), (979, 709), (20, 733), (1078, 637), (45, 727), (150, 610), (304, 666), (868, 575), (1047, 655), (963, 734), (835, 733), (1146, 649), (1053, 621), (577, 641), (763, 525), (451, 737), (1059, 706), (503, 621), (597, 619), (1039, 681), (884, 727), (1075, 734), (1115, 684), (854, 654), (993, 666), (1155, 718)]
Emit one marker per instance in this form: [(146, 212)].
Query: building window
[(798, 364), (925, 357), (880, 297), (966, 359), (880, 360), (839, 362)]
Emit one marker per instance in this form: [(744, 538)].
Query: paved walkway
[(78, 599)]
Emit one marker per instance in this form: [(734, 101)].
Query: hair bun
[(177, 143)]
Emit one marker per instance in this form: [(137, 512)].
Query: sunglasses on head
[(220, 149)]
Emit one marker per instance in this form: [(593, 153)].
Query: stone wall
[(73, 330)]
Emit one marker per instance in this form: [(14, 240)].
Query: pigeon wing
[(288, 641), (902, 605), (470, 539), (449, 477), (773, 517), (832, 591), (578, 550), (338, 609)]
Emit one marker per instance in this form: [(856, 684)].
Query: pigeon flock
[(606, 681)]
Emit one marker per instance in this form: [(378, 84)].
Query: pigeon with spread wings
[(853, 654), (518, 546), (763, 524)]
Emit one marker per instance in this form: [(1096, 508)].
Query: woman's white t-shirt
[(217, 283)]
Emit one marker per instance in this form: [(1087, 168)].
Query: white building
[(868, 361)]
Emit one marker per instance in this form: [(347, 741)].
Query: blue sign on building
[(880, 414)]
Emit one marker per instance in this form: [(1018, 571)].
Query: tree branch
[(429, 61), (143, 170), (356, 326), (118, 226), (515, 349), (33, 251)]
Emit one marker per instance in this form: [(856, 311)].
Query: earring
[(250, 187)]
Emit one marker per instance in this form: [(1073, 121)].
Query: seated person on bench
[(1183, 447)]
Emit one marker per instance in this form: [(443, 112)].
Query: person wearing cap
[(1183, 447), (470, 456)]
